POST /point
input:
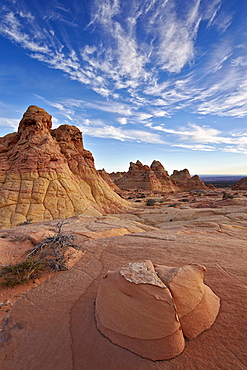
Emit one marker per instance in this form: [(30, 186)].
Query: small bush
[(150, 202), (227, 196), (27, 222), (48, 255), (22, 272)]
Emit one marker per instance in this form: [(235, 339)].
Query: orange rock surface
[(185, 182), (47, 174), (147, 309), (144, 177), (197, 306), (136, 310), (241, 184), (108, 179)]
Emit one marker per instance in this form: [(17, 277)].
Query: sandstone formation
[(144, 177), (47, 174), (197, 306), (187, 183), (116, 175), (241, 184), (53, 326), (155, 177), (147, 309), (105, 176), (135, 310)]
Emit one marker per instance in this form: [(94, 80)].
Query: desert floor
[(50, 324)]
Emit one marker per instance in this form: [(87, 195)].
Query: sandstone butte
[(241, 184), (47, 174), (155, 177)]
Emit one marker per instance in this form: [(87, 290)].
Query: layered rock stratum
[(143, 177), (108, 179), (187, 183), (155, 177), (47, 174), (241, 184)]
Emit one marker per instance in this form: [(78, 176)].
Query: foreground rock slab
[(53, 326), (136, 310)]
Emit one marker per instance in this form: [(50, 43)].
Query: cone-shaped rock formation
[(156, 177), (108, 179), (149, 309), (185, 182), (47, 174), (144, 177)]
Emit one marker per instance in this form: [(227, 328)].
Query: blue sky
[(142, 79)]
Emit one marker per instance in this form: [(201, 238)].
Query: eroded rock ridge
[(155, 177)]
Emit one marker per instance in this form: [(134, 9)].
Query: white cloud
[(11, 27), (239, 61), (123, 120), (205, 138), (198, 147), (177, 36), (143, 116), (160, 113), (9, 122), (118, 133)]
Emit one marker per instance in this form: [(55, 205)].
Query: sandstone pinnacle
[(47, 174)]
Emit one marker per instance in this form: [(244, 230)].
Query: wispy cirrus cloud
[(9, 122), (121, 134), (205, 138)]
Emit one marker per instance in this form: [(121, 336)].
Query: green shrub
[(22, 272), (151, 202), (227, 196), (50, 255)]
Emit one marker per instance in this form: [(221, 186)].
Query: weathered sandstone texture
[(155, 177), (47, 174), (147, 309), (185, 182), (116, 175), (241, 184), (52, 326), (105, 176), (197, 306), (135, 310), (144, 177)]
